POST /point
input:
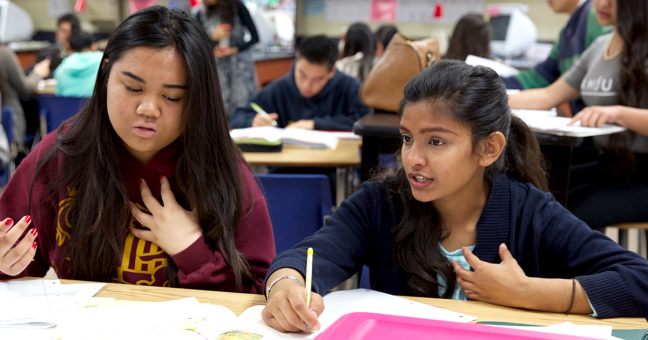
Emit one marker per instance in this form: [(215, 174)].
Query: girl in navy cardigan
[(466, 217)]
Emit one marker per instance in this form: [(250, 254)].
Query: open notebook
[(268, 135), (547, 122), (188, 319)]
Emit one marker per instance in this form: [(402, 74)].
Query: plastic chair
[(54, 110), (297, 204), (7, 124)]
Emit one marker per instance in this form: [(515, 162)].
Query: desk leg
[(341, 185), (559, 158), (370, 156)]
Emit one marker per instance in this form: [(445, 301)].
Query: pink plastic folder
[(361, 326)]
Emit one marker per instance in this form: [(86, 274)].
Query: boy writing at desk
[(314, 95)]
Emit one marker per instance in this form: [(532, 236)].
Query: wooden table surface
[(347, 154), (485, 312)]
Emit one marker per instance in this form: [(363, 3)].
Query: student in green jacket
[(76, 75), (581, 30)]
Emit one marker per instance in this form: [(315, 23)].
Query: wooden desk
[(485, 312), (380, 135), (346, 156)]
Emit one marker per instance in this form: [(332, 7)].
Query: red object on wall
[(80, 6), (136, 5), (438, 11)]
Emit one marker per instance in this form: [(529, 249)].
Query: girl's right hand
[(287, 311), (13, 260)]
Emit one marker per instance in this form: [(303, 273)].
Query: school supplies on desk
[(547, 122), (361, 326), (299, 137)]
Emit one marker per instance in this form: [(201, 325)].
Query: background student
[(20, 85), (359, 52), (76, 75), (611, 79), (469, 195), (144, 186), (66, 25), (314, 95), (471, 35), (383, 36), (581, 30), (225, 21)]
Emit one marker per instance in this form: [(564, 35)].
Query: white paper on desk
[(568, 328), (30, 334), (37, 303), (124, 321), (545, 122), (502, 70), (351, 301), (300, 137)]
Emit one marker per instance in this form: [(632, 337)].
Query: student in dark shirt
[(314, 95), (465, 217)]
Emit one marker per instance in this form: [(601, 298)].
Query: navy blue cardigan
[(336, 107), (546, 240)]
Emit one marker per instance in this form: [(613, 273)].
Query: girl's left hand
[(596, 116), (502, 284), (172, 227)]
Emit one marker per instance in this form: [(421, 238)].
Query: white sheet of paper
[(502, 70), (548, 122), (122, 321), (37, 303)]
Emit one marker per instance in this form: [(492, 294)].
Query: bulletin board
[(403, 11)]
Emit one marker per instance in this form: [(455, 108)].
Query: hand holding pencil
[(262, 118), (292, 307)]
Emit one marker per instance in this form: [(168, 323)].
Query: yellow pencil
[(309, 275)]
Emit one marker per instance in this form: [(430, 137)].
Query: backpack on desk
[(403, 59)]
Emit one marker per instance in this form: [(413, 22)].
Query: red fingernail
[(161, 177), (28, 219), (8, 221), (34, 245), (34, 231), (140, 181)]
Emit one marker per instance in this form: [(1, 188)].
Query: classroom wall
[(549, 24), (102, 13)]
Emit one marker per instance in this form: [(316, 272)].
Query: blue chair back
[(297, 204), (54, 110), (7, 125), (7, 122)]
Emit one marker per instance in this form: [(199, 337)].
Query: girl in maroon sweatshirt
[(144, 185)]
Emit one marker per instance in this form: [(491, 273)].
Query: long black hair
[(225, 9), (207, 169), (360, 39), (476, 97), (471, 35), (632, 28)]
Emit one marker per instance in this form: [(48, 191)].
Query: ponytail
[(523, 158), (476, 97)]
